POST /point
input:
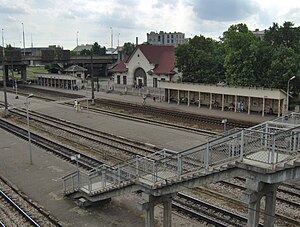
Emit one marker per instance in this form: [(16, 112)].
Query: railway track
[(211, 214), (109, 145), (17, 210), (171, 114), (175, 205), (285, 195), (85, 161), (238, 204)]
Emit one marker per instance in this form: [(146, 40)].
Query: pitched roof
[(163, 57), (75, 68), (120, 67)]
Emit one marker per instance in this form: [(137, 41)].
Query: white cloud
[(57, 21)]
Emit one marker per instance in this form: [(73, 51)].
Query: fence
[(268, 143)]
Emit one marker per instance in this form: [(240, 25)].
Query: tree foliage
[(200, 60), (128, 48), (95, 50), (242, 59)]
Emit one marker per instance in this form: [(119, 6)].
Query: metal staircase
[(269, 144)]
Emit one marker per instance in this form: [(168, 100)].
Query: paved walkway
[(117, 95), (42, 180)]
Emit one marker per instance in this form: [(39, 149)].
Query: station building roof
[(56, 76), (255, 92)]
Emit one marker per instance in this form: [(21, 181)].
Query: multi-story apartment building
[(166, 38)]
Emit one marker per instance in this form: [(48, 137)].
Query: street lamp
[(288, 93), (28, 128)]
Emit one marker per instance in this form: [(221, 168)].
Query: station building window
[(124, 79), (118, 79)]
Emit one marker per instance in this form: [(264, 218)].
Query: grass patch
[(35, 69)]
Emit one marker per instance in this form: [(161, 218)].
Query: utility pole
[(23, 38), (111, 38), (4, 76), (92, 76), (31, 40), (77, 39)]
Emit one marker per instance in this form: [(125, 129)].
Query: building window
[(168, 41), (124, 80), (158, 39), (118, 79), (154, 82)]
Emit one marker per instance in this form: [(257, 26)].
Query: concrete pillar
[(223, 100), (23, 73), (210, 101), (178, 97), (168, 212), (149, 215), (168, 95), (255, 191), (235, 103), (263, 108), (188, 98), (148, 203), (199, 104), (249, 104), (269, 217), (279, 111)]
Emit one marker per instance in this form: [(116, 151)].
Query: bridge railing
[(268, 143)]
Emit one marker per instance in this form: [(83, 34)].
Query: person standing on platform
[(242, 107), (239, 106), (144, 99), (76, 105)]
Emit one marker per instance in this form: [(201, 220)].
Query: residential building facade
[(166, 38)]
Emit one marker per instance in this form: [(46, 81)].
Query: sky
[(62, 22)]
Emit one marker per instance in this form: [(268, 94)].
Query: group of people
[(239, 106)]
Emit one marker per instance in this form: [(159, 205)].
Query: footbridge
[(266, 155)]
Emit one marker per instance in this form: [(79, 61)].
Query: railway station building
[(146, 66), (226, 98)]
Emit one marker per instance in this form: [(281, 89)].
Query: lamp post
[(28, 128), (4, 76), (288, 94)]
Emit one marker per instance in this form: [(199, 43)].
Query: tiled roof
[(120, 67), (163, 57)]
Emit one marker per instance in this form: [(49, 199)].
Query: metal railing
[(269, 143)]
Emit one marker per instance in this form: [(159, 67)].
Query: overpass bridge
[(266, 155), (14, 59)]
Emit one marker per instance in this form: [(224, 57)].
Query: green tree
[(200, 60), (286, 35), (128, 48), (241, 49)]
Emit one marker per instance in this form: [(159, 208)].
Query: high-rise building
[(166, 38)]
